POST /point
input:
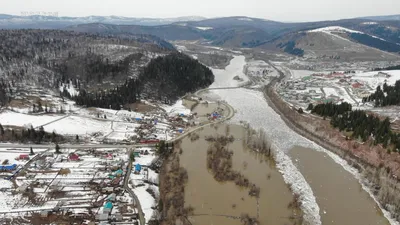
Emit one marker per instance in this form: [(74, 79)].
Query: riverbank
[(375, 178)]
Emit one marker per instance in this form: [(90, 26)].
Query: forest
[(375, 42), (165, 77), (359, 124), (385, 96), (290, 48), (387, 68)]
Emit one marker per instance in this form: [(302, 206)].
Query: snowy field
[(73, 125), (373, 79), (224, 77), (298, 74), (24, 120), (176, 109)]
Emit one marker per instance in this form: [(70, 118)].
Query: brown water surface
[(339, 195), (221, 203)]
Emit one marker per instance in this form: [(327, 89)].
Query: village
[(305, 87), (73, 181)]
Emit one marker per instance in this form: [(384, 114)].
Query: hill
[(382, 18), (164, 78), (335, 43)]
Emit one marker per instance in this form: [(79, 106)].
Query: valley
[(232, 120)]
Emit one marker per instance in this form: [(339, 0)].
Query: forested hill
[(175, 75), (164, 78)]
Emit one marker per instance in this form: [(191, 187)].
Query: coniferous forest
[(359, 124), (165, 77), (385, 96)]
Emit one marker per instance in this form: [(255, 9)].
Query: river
[(323, 201), (223, 203)]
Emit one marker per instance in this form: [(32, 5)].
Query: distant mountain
[(382, 18), (51, 22), (235, 31), (167, 32)]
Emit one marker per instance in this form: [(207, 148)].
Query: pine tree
[(132, 156), (58, 149), (1, 130)]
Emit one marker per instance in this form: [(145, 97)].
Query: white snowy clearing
[(373, 79), (78, 125), (369, 23), (337, 29), (204, 28), (176, 109), (18, 119), (298, 74)]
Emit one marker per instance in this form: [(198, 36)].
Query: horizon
[(55, 14), (293, 11)]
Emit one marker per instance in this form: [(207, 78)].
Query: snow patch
[(177, 109), (245, 19), (336, 29), (204, 28), (369, 23)]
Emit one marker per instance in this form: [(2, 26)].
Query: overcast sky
[(280, 10)]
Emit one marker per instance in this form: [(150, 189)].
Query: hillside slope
[(46, 59), (335, 43)]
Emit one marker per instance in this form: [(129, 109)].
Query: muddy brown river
[(223, 203), (339, 195)]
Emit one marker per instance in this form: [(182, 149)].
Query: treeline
[(359, 124), (165, 77), (290, 48), (387, 68), (375, 42), (4, 93), (388, 95), (29, 135)]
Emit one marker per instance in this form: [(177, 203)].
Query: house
[(101, 217), (23, 157), (107, 207), (112, 197), (116, 217), (118, 173), (8, 167), (109, 156), (356, 85), (48, 154), (107, 190), (74, 157), (138, 168), (44, 213), (23, 188), (116, 181)]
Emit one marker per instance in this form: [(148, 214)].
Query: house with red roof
[(74, 157)]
